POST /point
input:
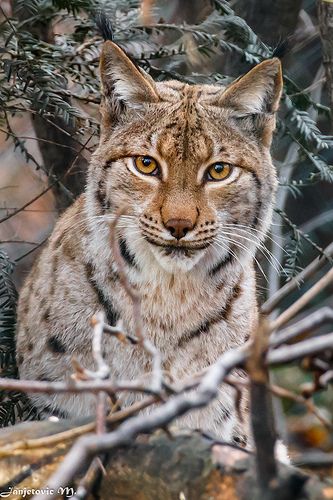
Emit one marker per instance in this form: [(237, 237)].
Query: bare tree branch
[(293, 284), (287, 315)]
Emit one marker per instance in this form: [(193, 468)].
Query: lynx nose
[(179, 227)]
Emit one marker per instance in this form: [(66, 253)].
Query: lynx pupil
[(146, 161)]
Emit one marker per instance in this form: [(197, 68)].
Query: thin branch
[(18, 210), (103, 370), (38, 139), (74, 387), (71, 434), (325, 379), (88, 446), (293, 284), (313, 459), (23, 242), (89, 479), (284, 393), (23, 256), (310, 294), (310, 347), (148, 346), (53, 184), (317, 318)]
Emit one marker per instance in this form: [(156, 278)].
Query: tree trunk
[(272, 21), (57, 160), (190, 11), (325, 17)]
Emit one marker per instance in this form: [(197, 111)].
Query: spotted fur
[(198, 293)]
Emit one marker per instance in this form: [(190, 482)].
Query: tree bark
[(325, 17)]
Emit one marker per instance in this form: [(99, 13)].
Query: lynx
[(191, 165)]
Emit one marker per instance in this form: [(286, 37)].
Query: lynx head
[(190, 163)]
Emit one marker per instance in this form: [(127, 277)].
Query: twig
[(71, 434), (284, 393), (93, 386), (23, 256), (302, 301), (283, 354), (88, 446), (117, 331), (310, 347), (18, 210), (157, 374), (89, 479), (237, 385), (325, 379), (103, 370), (50, 186), (313, 459), (289, 287), (38, 139), (318, 318), (23, 242)]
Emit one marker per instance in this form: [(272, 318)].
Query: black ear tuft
[(104, 25), (283, 47)]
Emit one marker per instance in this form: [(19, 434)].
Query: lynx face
[(191, 164)]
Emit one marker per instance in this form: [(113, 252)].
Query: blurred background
[(49, 96)]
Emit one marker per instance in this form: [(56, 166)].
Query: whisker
[(266, 253), (247, 250), (241, 226)]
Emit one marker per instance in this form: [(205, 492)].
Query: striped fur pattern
[(198, 292)]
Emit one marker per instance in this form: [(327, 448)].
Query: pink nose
[(179, 227)]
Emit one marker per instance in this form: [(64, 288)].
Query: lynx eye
[(146, 165), (219, 171)]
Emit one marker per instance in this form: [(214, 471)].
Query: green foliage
[(13, 406), (8, 298)]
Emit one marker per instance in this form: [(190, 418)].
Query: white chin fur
[(176, 263)]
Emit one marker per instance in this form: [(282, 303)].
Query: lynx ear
[(122, 81), (258, 91)]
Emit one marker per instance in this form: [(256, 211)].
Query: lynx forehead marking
[(190, 144)]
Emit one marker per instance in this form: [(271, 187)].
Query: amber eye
[(219, 171), (146, 165)]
